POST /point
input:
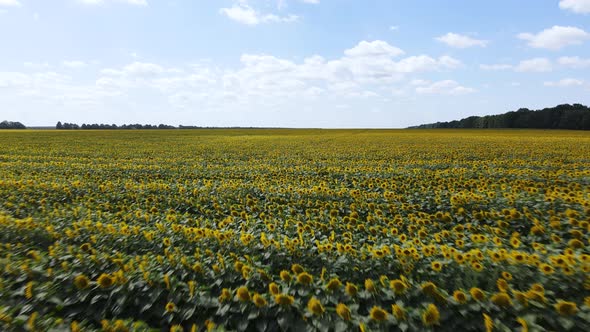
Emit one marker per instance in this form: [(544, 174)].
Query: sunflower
[(105, 280), (304, 278), (506, 275), (296, 268), (285, 275), (523, 324), (502, 285), (501, 299), (343, 311), (170, 307), (398, 286), (351, 289), (370, 285), (243, 294), (81, 281), (273, 288), (436, 266), (334, 284), (225, 295), (535, 296), (258, 300), (566, 308), (315, 306), (431, 315), (546, 268), (398, 312), (538, 287), (284, 299), (378, 314), (460, 296), (429, 288), (488, 323), (29, 290), (520, 297), (477, 266), (120, 326)]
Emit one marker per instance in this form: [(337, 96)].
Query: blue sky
[(289, 63)]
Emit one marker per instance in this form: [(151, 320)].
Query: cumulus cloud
[(534, 65), (9, 3), (446, 87), (566, 82), (556, 37), (576, 6), (366, 71), (574, 62), (461, 41), (373, 49), (100, 2), (244, 14)]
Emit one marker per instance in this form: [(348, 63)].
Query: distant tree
[(564, 116), (59, 125), (11, 125)]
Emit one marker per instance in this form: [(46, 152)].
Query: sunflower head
[(273, 288), (243, 294), (258, 300), (501, 299), (285, 276), (566, 308), (378, 314), (334, 284), (81, 281), (351, 289), (170, 307), (460, 296), (398, 286), (284, 299), (398, 312), (105, 280), (431, 315), (304, 278), (315, 306), (343, 311)]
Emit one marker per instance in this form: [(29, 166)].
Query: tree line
[(11, 125), (566, 116), (66, 125)]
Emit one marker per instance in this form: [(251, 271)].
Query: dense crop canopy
[(264, 230)]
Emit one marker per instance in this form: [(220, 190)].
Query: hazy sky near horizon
[(288, 63)]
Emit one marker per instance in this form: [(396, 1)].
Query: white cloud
[(10, 3), (243, 13), (446, 87), (461, 41), (555, 37), (259, 84), (534, 65), (373, 49), (574, 62), (496, 67), (74, 64), (576, 6), (566, 82), (100, 2), (314, 2), (394, 28)]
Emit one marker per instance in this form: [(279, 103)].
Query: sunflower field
[(294, 230)]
